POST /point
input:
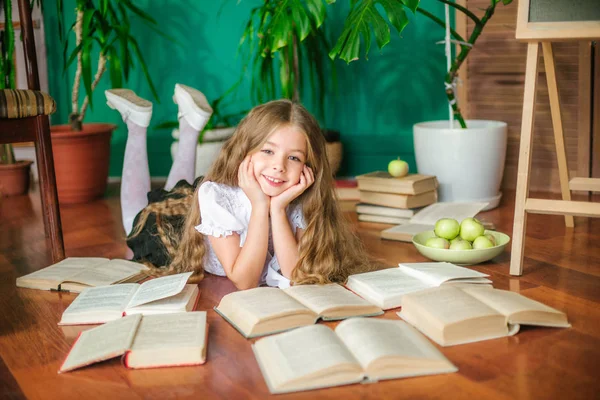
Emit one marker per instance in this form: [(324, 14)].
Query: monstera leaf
[(363, 17)]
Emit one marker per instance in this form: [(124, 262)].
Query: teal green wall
[(374, 107)]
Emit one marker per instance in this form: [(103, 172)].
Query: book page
[(508, 303), (64, 269), (177, 302), (370, 339), (446, 305), (410, 228), (260, 303), (459, 211), (437, 273), (102, 298), (386, 284), (165, 331), (159, 288), (107, 273), (320, 298), (106, 341), (302, 352)]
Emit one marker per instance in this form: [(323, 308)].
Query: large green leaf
[(364, 17)]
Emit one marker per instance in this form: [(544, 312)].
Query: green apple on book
[(398, 168)]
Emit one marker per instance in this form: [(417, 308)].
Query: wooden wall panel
[(496, 73)]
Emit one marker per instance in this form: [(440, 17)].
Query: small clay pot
[(14, 178)]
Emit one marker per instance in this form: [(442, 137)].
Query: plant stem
[(296, 92), (99, 72), (75, 93), (458, 61)]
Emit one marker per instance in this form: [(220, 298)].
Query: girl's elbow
[(241, 285)]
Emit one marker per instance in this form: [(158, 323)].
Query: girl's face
[(280, 161)]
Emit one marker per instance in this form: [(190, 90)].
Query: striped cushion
[(25, 103)]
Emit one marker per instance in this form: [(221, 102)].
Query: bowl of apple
[(464, 243)]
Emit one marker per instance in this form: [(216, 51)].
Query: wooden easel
[(545, 33)]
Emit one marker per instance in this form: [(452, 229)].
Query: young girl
[(266, 213)]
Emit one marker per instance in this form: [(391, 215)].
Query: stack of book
[(386, 199)]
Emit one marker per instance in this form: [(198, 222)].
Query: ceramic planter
[(81, 161), (468, 163), (14, 178)]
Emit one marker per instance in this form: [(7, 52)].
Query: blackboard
[(564, 10), (558, 20)]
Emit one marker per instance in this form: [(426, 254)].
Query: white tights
[(135, 183)]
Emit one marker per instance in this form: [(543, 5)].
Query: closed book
[(383, 182), (362, 208), (346, 189), (382, 219), (399, 200)]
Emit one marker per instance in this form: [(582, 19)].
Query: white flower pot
[(207, 152), (468, 163)]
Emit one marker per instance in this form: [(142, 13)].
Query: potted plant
[(466, 156), (284, 42), (14, 174), (81, 151)]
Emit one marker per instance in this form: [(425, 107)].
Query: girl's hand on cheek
[(250, 185), (281, 201)]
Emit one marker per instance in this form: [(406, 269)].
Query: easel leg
[(559, 139), (520, 221)]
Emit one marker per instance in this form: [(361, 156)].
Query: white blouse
[(226, 210)]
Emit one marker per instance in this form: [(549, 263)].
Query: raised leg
[(135, 182), (194, 112), (559, 139), (520, 220)]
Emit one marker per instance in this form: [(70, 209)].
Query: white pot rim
[(471, 124)]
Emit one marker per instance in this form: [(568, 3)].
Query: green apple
[(491, 237), (447, 228), (437, 243), (482, 242), (460, 245), (470, 228), (398, 168)]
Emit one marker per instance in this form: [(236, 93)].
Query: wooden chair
[(24, 118)]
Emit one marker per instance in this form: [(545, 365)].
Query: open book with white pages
[(385, 288), (358, 350), (454, 315), (167, 294), (425, 219)]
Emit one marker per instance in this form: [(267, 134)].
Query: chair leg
[(49, 195), (559, 138), (520, 222)]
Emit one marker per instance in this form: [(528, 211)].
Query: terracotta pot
[(14, 178), (81, 161)]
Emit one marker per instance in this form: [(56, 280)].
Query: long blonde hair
[(328, 250)]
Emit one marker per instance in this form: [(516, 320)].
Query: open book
[(386, 288), (425, 219), (74, 274), (168, 294), (262, 311), (359, 349), (452, 315), (146, 342)]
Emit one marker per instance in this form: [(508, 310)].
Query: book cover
[(383, 182)]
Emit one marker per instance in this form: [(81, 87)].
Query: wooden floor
[(562, 269)]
